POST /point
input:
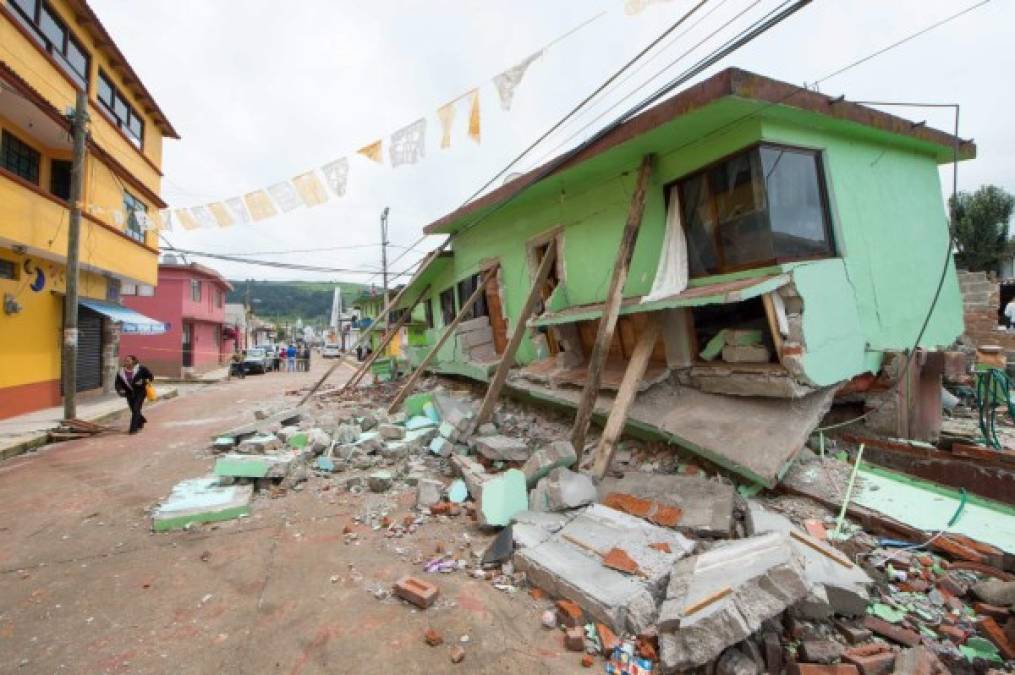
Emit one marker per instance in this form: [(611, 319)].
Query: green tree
[(981, 226)]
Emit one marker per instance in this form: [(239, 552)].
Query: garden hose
[(993, 387)]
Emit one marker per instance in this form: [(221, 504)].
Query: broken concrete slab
[(236, 465), (457, 491), (502, 448), (531, 528), (428, 491), (201, 500), (707, 505), (453, 411), (284, 418), (564, 489), (720, 597), (347, 433), (259, 443), (843, 584), (441, 446), (546, 459), (419, 422), (569, 563), (391, 432), (501, 497), (472, 472), (380, 481)]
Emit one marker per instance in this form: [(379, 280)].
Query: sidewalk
[(209, 377), (29, 431)]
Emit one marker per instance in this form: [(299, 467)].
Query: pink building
[(191, 299)]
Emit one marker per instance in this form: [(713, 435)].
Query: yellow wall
[(30, 339)]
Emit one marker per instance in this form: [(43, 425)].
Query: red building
[(190, 299)]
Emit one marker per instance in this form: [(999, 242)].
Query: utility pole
[(384, 250), (69, 371)]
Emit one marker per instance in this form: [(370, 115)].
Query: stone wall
[(981, 296)]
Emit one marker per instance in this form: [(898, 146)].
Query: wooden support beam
[(384, 313), (611, 309), (389, 335), (772, 314), (508, 357), (625, 396), (448, 332)]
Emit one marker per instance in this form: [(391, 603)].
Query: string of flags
[(314, 187)]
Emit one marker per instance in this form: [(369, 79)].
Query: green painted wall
[(886, 206)]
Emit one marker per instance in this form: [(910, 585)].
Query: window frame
[(52, 177), (428, 313), (464, 288), (677, 184), (448, 314), (7, 136), (60, 53), (131, 227), (13, 266), (195, 290), (116, 95)]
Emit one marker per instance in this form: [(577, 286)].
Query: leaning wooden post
[(507, 359), (611, 309), (448, 332), (384, 312), (389, 335), (625, 396)]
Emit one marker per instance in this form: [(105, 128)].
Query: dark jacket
[(137, 383)]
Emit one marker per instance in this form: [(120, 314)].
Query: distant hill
[(289, 300)]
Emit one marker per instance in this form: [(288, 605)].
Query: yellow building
[(50, 50)]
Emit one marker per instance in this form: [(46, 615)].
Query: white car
[(331, 351)]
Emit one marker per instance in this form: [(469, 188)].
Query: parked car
[(331, 350), (256, 361)]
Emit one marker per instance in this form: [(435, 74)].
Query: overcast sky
[(263, 93)]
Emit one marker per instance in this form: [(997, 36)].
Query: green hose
[(993, 387)]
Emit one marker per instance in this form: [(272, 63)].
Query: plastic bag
[(149, 392)]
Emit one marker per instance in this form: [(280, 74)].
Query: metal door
[(188, 345), (89, 349)]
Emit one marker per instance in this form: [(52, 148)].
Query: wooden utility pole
[(611, 309), (625, 396), (507, 359), (69, 370), (448, 332)]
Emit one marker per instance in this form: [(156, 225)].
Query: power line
[(269, 263)]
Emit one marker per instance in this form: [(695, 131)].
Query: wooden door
[(498, 324)]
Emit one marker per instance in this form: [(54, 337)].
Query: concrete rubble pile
[(661, 566)]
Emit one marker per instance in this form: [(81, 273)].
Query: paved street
[(85, 587)]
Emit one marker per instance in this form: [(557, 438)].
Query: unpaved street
[(86, 587)]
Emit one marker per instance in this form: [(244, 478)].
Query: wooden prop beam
[(508, 357), (611, 309), (625, 396), (389, 335), (384, 313), (448, 332)]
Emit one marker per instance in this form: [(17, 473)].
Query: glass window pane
[(27, 6), (740, 203), (105, 91), (77, 59), (796, 210), (121, 109), (146, 290), (699, 224), (134, 126), (19, 158), (52, 29), (59, 178)]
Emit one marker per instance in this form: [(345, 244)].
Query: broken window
[(760, 207), (447, 300), (466, 287)]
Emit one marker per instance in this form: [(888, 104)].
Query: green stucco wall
[(886, 207)]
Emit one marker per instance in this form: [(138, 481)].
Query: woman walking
[(132, 383)]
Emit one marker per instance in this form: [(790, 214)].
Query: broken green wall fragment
[(502, 497), (414, 404), (201, 500), (979, 648), (714, 347), (298, 441)]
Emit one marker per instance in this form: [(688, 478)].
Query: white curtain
[(671, 274)]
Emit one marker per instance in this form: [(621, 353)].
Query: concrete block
[(742, 337), (419, 422), (548, 458), (259, 443), (441, 446), (391, 432), (347, 433), (746, 354), (428, 492), (448, 431), (564, 489), (531, 528), (201, 500), (380, 481), (479, 323), (706, 505), (472, 472), (253, 466), (501, 497), (453, 411), (457, 491), (475, 338), (318, 440), (720, 597), (502, 448)]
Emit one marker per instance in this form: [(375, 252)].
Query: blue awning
[(131, 322)]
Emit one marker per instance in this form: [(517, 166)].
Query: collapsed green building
[(791, 246)]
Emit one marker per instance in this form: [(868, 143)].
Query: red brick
[(588, 661), (607, 638), (666, 516), (892, 632), (993, 632), (569, 613), (872, 664), (537, 593), (818, 669), (418, 592), (662, 547), (953, 633), (433, 637), (440, 508), (647, 650), (993, 611), (618, 559), (628, 504), (815, 528), (574, 639), (853, 634)]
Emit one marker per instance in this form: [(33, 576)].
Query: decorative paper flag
[(186, 220), (311, 190), (474, 116), (446, 115), (221, 214), (203, 216), (284, 195), (164, 220), (372, 151), (118, 218), (408, 144), (507, 81), (238, 210), (632, 7), (142, 219), (259, 205), (337, 175)]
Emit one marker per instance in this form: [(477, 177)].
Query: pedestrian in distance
[(306, 358), (291, 358), (276, 358), (236, 365), (132, 383)]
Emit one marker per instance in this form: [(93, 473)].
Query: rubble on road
[(664, 564)]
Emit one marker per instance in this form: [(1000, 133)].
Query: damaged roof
[(756, 95)]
